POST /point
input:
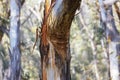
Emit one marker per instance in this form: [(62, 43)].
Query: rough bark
[(112, 36), (54, 44), (117, 8), (15, 55)]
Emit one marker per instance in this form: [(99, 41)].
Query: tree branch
[(102, 11), (109, 2), (26, 18), (22, 2), (35, 13), (4, 30)]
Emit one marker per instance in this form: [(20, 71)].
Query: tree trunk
[(112, 36), (117, 8), (54, 44), (93, 45), (114, 45), (15, 55), (1, 69), (106, 53)]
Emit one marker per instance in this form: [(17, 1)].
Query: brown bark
[(54, 44), (117, 10)]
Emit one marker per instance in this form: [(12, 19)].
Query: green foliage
[(99, 34), (82, 62)]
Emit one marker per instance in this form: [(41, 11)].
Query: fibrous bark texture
[(54, 44)]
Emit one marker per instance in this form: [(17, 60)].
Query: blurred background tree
[(83, 57)]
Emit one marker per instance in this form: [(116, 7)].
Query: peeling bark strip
[(117, 10), (15, 55), (55, 33)]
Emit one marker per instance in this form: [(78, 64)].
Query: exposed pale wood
[(15, 54), (54, 47), (117, 8)]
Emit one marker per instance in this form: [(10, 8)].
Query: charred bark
[(54, 44)]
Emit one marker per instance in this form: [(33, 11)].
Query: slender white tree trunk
[(112, 37), (93, 46), (15, 54), (114, 69), (1, 68)]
